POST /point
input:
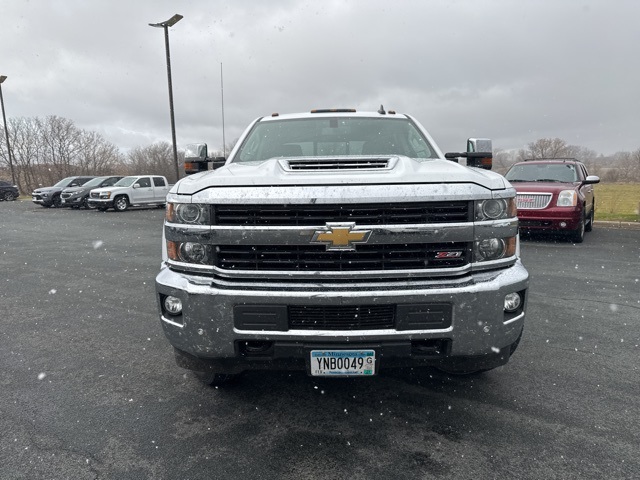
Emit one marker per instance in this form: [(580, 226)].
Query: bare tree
[(154, 159), (635, 158), (46, 150), (627, 166), (503, 159), (546, 148), (96, 156)]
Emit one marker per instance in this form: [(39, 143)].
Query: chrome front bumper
[(206, 329)]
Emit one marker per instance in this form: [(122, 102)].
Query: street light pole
[(166, 24), (6, 130)]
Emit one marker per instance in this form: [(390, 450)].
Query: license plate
[(326, 363)]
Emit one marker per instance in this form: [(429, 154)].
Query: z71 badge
[(452, 254)]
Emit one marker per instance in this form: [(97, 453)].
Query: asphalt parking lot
[(89, 388)]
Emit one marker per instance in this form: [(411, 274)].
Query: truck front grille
[(532, 201), (420, 256), (362, 214), (326, 317)]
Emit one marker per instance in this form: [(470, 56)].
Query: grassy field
[(618, 201)]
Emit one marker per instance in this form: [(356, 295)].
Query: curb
[(618, 224)]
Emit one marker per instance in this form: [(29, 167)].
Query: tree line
[(45, 150)]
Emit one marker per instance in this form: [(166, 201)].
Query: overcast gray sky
[(513, 71)]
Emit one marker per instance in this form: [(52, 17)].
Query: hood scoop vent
[(339, 164)]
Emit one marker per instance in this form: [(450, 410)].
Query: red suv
[(554, 195)]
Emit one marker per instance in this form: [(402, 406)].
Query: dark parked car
[(554, 196), (8, 191), (50, 196), (76, 197)]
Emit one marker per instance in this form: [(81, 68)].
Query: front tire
[(56, 202), (121, 203), (589, 226), (10, 196), (577, 236)]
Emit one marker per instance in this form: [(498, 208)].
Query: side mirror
[(136, 185), (195, 152), (479, 153), (591, 179), (196, 159)]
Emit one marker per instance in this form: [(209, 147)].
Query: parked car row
[(553, 195), (105, 192), (76, 197)]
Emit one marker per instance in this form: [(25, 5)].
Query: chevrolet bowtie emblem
[(341, 236)]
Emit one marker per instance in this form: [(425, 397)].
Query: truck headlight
[(494, 248), (495, 209), (189, 213), (105, 194), (567, 198)]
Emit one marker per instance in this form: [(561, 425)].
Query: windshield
[(94, 182), (125, 182), (65, 182), (542, 172), (334, 136)]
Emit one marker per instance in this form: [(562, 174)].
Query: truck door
[(160, 189), (142, 191)]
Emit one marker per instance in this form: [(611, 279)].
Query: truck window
[(327, 136), (159, 182)]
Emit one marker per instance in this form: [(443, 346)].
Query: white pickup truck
[(136, 190), (341, 243)]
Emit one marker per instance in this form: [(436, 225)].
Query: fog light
[(173, 305), (563, 224), (512, 302)]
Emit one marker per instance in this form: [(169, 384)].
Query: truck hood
[(48, 190), (277, 172), (74, 189), (545, 187), (109, 189)]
